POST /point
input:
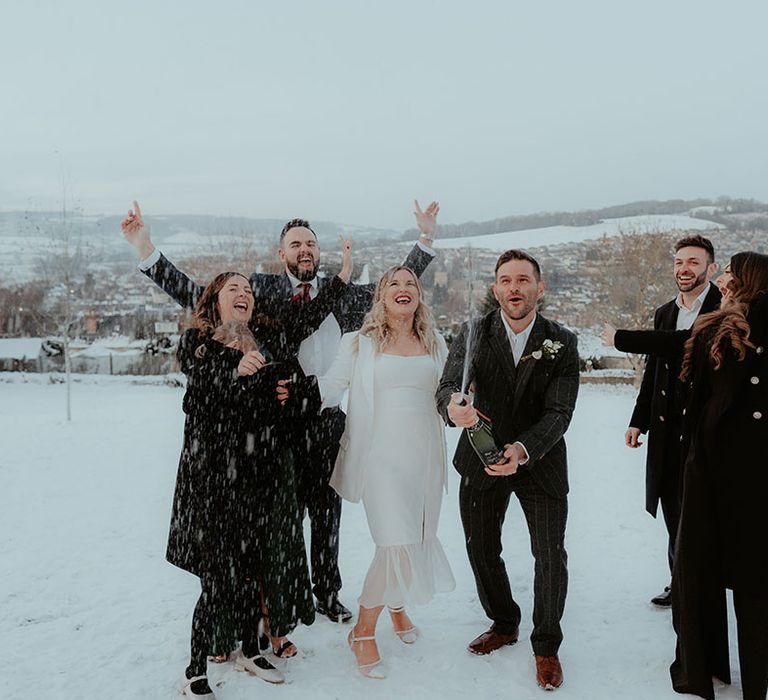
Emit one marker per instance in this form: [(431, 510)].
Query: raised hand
[(426, 220), (136, 232), (345, 274)]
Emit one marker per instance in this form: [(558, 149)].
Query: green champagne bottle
[(480, 436)]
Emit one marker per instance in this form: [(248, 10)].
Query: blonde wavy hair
[(728, 327), (376, 325)]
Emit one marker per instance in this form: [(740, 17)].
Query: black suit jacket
[(531, 403), (660, 402), (273, 292)]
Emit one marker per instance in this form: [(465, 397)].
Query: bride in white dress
[(393, 455)]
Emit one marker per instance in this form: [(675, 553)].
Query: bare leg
[(402, 624), (366, 652)]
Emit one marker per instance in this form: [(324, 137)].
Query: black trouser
[(482, 515), (222, 604), (670, 497), (315, 447), (752, 631)]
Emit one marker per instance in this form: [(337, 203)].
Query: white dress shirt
[(317, 351), (685, 316), (517, 342)]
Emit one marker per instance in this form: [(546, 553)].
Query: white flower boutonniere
[(547, 351)]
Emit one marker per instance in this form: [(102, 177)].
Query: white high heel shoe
[(374, 669), (185, 688), (408, 636)]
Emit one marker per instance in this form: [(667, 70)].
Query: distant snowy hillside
[(554, 235)]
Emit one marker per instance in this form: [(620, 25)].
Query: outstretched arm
[(136, 232), (422, 254), (161, 271), (660, 342)]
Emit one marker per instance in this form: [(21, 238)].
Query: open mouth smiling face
[(402, 293), (300, 253), (235, 300), (692, 265), (517, 289)]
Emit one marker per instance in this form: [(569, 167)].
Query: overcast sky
[(344, 111)]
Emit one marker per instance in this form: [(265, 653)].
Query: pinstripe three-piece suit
[(531, 403)]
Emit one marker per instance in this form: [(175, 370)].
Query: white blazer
[(353, 369)]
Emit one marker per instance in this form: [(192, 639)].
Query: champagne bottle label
[(483, 443)]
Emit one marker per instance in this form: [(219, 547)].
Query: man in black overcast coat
[(658, 409)]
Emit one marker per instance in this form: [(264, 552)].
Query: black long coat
[(724, 522), (660, 402), (235, 513)]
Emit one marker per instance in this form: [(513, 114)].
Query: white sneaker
[(258, 666), (185, 688)]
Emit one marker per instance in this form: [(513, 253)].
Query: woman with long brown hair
[(392, 455), (721, 540), (236, 523)]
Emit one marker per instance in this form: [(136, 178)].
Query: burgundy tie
[(302, 295)]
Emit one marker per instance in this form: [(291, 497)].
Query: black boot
[(332, 608)]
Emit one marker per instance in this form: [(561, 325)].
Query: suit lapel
[(285, 287), (499, 342), (525, 368), (365, 360), (669, 317)]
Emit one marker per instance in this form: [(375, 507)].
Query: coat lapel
[(499, 342), (669, 317), (525, 368), (365, 360), (285, 287)]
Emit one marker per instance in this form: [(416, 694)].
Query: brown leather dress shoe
[(490, 641), (549, 672)]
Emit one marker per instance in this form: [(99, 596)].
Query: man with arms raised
[(316, 443)]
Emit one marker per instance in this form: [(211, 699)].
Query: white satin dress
[(403, 485)]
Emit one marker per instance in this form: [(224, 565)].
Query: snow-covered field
[(554, 235), (90, 609)]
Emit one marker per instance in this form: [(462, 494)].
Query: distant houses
[(113, 355)]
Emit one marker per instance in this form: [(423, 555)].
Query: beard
[(528, 305), (691, 284), (302, 275)]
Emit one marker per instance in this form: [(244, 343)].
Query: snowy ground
[(90, 609)]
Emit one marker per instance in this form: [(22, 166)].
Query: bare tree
[(62, 264), (237, 249), (633, 276)]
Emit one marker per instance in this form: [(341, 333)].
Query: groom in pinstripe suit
[(525, 373)]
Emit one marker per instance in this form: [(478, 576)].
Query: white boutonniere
[(547, 351)]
